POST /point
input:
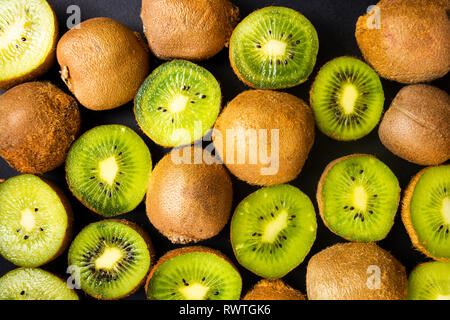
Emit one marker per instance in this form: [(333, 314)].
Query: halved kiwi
[(272, 230), (426, 212), (194, 273), (110, 258), (347, 99), (28, 34), (108, 168), (274, 48), (178, 103), (430, 281), (35, 221), (34, 284), (358, 196), (273, 290)]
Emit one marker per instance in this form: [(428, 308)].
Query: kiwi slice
[(111, 257), (426, 211), (108, 169), (194, 273), (430, 281), (274, 48), (273, 229), (28, 34), (347, 99), (35, 221), (358, 196), (34, 284), (178, 103)]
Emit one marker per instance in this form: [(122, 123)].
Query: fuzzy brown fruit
[(103, 63), (188, 29), (189, 202), (407, 40), (355, 271), (273, 290), (39, 123), (259, 116), (416, 127)]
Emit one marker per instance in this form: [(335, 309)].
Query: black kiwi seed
[(258, 46), (203, 279), (261, 218), (26, 237), (361, 171), (36, 209), (216, 293), (24, 39), (352, 208), (345, 207), (290, 36), (22, 293), (353, 178), (278, 62), (41, 229), (202, 96), (297, 42)]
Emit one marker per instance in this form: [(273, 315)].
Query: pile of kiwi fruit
[(170, 215)]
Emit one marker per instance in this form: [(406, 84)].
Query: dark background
[(335, 23)]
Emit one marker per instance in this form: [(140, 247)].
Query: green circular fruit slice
[(274, 48), (33, 221), (430, 281), (273, 229), (178, 103), (108, 168)]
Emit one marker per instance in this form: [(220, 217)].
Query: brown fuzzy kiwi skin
[(416, 127), (341, 272), (188, 29), (189, 202), (41, 69), (406, 216), (413, 42), (265, 109), (116, 60), (39, 123), (273, 290)]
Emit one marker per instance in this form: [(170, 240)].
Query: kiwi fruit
[(283, 125), (426, 212), (34, 284), (430, 281), (107, 169), (111, 258), (273, 290), (416, 127), (272, 230), (103, 63), (35, 221), (274, 48), (178, 103), (358, 197), (188, 201), (188, 29), (412, 42), (29, 31), (355, 271), (347, 99), (194, 273), (39, 123)]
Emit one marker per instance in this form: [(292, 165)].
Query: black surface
[(335, 23)]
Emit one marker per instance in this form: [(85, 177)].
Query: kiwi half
[(28, 34), (273, 290), (111, 258), (274, 48), (272, 230), (426, 211), (34, 284), (430, 281), (178, 103), (358, 197), (35, 221), (194, 273), (108, 168)]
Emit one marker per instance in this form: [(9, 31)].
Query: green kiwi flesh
[(34, 221), (272, 230), (347, 99), (178, 103), (108, 168), (274, 48), (34, 284), (430, 281)]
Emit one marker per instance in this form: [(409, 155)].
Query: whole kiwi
[(416, 127), (39, 123), (103, 63), (355, 271), (189, 200), (407, 40), (188, 29), (261, 115), (273, 290)]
